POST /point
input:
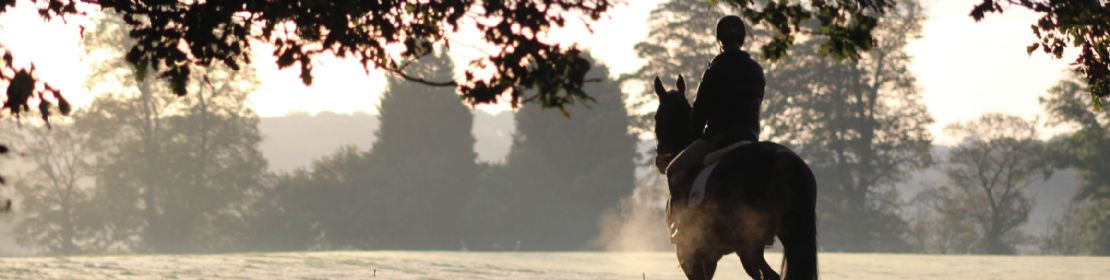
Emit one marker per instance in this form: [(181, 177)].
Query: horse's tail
[(800, 252)]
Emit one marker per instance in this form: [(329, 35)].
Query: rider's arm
[(704, 100)]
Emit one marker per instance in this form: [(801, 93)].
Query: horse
[(757, 192)]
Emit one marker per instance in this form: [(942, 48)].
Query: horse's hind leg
[(751, 258)]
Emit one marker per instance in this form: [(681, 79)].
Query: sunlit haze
[(963, 68), (930, 156)]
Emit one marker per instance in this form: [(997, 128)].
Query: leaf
[(44, 110), (179, 79), (63, 104), (1031, 48), (19, 90), (286, 58)]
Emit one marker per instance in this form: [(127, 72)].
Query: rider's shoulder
[(734, 60), (733, 57)]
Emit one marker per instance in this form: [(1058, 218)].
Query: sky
[(964, 68)]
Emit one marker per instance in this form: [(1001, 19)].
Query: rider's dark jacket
[(727, 105)]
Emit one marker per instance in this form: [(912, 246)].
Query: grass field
[(546, 265)]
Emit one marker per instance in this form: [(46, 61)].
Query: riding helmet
[(730, 29)]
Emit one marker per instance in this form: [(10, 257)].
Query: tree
[(172, 172), (408, 192), (999, 157), (424, 161), (560, 175), (861, 126), (326, 206), (1088, 150), (55, 195)]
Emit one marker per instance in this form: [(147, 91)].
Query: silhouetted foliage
[(174, 37), (220, 32), (559, 177), (1078, 24), (1087, 150)]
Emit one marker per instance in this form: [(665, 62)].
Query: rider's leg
[(689, 159)]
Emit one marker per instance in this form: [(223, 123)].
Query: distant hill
[(297, 140)]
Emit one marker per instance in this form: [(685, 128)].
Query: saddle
[(697, 190)]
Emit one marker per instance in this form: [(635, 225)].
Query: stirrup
[(674, 232)]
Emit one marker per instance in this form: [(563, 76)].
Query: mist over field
[(508, 141), (535, 265)]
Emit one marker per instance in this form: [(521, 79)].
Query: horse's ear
[(659, 90), (681, 85)]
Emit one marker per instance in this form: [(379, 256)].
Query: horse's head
[(672, 122)]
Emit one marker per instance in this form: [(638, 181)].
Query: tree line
[(142, 170), (156, 173)]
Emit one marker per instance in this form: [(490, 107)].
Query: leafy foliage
[(174, 36), (847, 25), (1079, 24), (1087, 150)]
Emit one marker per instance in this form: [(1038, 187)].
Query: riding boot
[(679, 185)]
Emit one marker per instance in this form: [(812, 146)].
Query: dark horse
[(757, 192)]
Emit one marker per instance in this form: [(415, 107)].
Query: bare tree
[(53, 201), (999, 157)]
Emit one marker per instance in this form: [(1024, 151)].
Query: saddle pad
[(720, 153), (697, 192)]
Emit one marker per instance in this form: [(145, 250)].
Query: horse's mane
[(672, 121)]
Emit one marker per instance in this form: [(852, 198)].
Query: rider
[(726, 110)]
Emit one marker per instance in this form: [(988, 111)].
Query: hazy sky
[(964, 68)]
